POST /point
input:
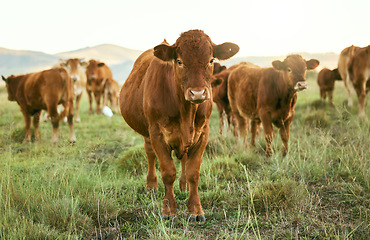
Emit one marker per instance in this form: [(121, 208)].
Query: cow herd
[(167, 98)]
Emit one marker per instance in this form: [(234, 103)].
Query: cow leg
[(183, 183), (229, 117), (27, 121), (168, 172), (98, 99), (284, 133), (151, 177), (243, 128), (361, 94), (323, 94), (349, 94), (254, 127), (36, 123), (55, 123), (72, 137), (77, 111), (192, 177), (90, 101), (269, 132), (330, 96)]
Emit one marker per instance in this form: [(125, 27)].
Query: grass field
[(95, 188)]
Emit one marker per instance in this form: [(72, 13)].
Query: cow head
[(294, 69), (73, 66), (11, 83), (92, 74), (193, 57)]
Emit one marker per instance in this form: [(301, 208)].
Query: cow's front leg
[(192, 176), (98, 97), (269, 132), (27, 121), (89, 94), (284, 134), (151, 177), (168, 172)]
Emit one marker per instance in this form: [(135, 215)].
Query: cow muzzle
[(196, 95), (301, 85)]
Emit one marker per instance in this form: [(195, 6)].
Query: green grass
[(96, 188)]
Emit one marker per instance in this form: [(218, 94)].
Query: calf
[(111, 94), (268, 95), (326, 80), (97, 74), (220, 94), (359, 74), (43, 90), (76, 69), (167, 98)]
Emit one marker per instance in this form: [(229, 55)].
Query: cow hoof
[(166, 218), (199, 218)]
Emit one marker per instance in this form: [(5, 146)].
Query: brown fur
[(97, 74), (268, 95), (43, 90), (359, 73), (220, 94), (326, 80), (75, 68), (167, 99), (344, 58), (111, 94)]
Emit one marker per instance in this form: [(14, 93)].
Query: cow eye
[(289, 69), (179, 62), (212, 60)]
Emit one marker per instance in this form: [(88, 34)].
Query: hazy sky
[(259, 27)]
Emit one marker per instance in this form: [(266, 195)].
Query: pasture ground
[(95, 188)]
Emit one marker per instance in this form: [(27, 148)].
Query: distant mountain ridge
[(119, 59)]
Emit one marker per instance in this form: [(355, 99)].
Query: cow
[(76, 69), (97, 74), (344, 58), (111, 94), (43, 90), (167, 98), (326, 81), (359, 74), (268, 95)]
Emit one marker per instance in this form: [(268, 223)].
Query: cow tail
[(350, 69)]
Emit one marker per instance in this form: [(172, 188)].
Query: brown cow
[(75, 68), (359, 74), (43, 90), (97, 74), (344, 58), (111, 94), (326, 80), (268, 95), (167, 98), (220, 94)]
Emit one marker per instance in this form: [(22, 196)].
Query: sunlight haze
[(260, 27)]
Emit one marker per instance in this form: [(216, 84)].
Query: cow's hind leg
[(36, 123), (27, 121), (361, 94), (151, 177)]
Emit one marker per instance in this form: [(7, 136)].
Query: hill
[(119, 59)]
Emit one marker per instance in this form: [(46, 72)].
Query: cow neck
[(286, 90)]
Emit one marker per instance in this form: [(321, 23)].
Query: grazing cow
[(97, 74), (359, 74), (167, 98), (220, 94), (75, 68), (344, 58), (268, 95), (326, 80), (111, 94), (43, 90)]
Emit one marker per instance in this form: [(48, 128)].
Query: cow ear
[(3, 78), (165, 52), (101, 64), (278, 65), (312, 64), (225, 50), (216, 82), (84, 64)]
